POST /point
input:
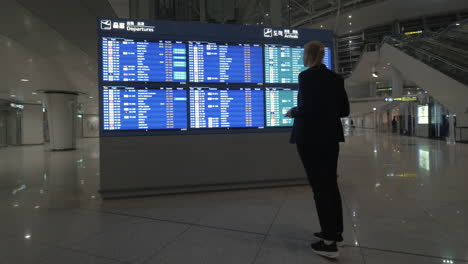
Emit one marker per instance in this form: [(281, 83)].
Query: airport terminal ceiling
[(33, 31), (294, 13)]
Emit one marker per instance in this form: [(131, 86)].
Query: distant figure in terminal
[(394, 125), (317, 131)]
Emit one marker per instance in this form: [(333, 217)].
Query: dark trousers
[(320, 163)]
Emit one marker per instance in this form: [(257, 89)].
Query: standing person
[(317, 131), (394, 125)]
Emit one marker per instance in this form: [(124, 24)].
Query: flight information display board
[(128, 108), (284, 63), (278, 102), (224, 63), (226, 108), (127, 60), (167, 77)]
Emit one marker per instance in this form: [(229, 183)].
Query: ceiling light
[(321, 26), (24, 80), (350, 41), (34, 93), (375, 75), (13, 95), (375, 109), (27, 236), (350, 16), (457, 24), (350, 23), (90, 97), (350, 31)]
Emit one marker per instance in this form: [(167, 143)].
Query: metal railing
[(439, 57), (444, 50)]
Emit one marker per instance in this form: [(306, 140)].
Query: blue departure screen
[(284, 63), (211, 62), (127, 108), (226, 108), (126, 60)]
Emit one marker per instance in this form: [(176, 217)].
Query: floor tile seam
[(255, 259), (84, 252), (78, 251), (210, 227), (270, 235), (51, 245), (100, 233), (344, 201), (218, 205), (142, 217), (409, 253), (348, 209), (191, 226), (165, 246), (187, 223)]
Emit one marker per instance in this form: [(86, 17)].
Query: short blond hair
[(314, 52)]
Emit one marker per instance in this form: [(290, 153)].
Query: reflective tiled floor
[(406, 201)]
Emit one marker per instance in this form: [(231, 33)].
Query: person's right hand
[(289, 113)]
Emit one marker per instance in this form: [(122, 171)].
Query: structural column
[(451, 138), (61, 113), (32, 124), (61, 174), (397, 82), (396, 28)]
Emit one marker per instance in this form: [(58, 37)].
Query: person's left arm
[(302, 108), (343, 99)]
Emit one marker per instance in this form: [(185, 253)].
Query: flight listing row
[(177, 108), (128, 60)]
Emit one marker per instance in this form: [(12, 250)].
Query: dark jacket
[(322, 101)]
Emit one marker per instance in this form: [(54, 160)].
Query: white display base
[(137, 166)]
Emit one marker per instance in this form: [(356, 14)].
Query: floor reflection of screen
[(424, 161)]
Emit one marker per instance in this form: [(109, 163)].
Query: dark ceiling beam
[(345, 7)]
